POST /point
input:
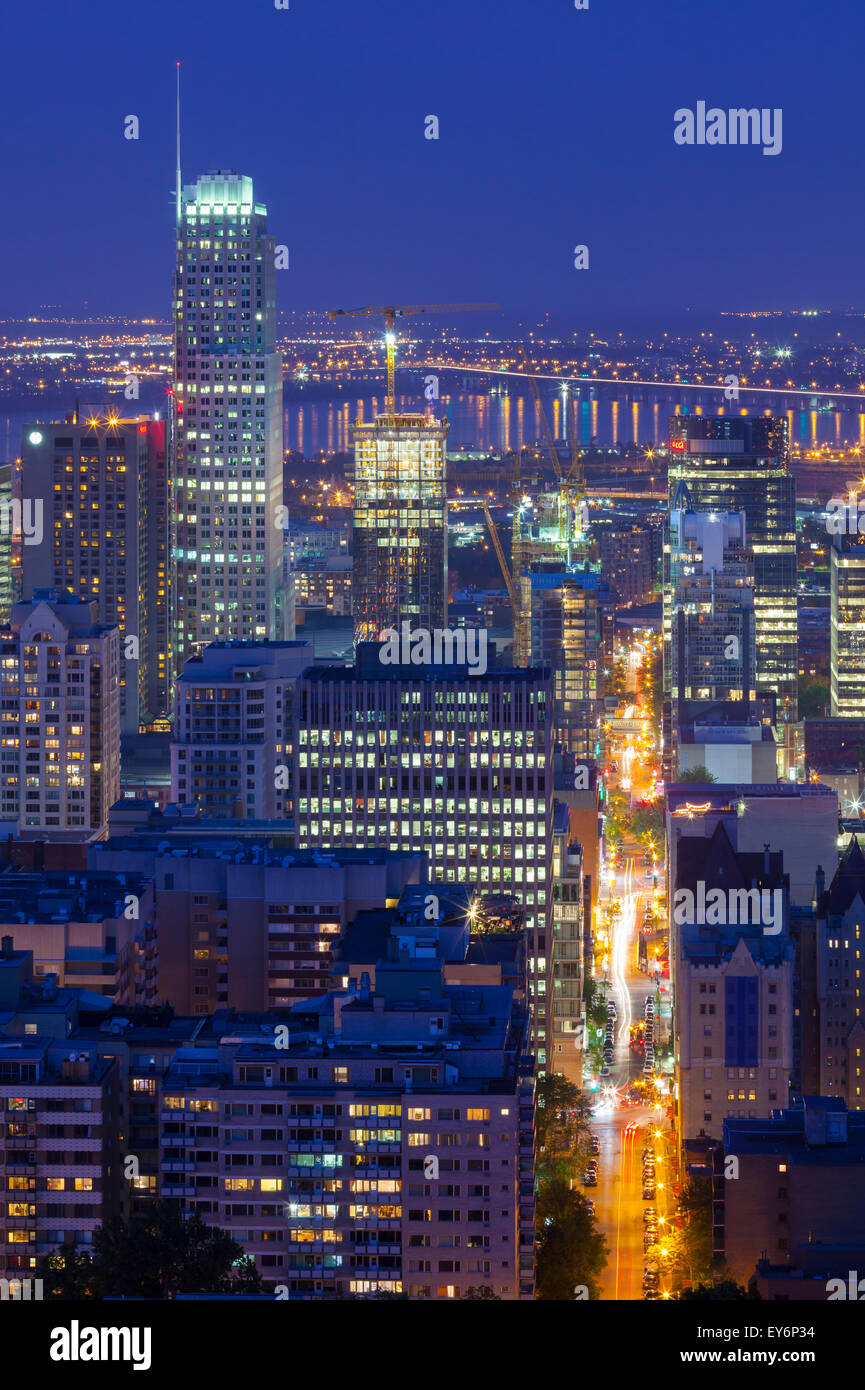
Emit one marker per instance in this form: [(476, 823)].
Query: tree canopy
[(157, 1254)]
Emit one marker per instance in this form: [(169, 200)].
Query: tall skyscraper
[(563, 628), (847, 626), (100, 485), (400, 525), (227, 543), (709, 646), (732, 465), (60, 760)]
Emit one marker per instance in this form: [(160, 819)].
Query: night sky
[(556, 128)]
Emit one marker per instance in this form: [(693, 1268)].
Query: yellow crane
[(390, 313), (513, 591)]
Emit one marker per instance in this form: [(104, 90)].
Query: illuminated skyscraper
[(847, 613), (60, 761), (227, 545), (400, 525), (97, 485), (709, 647), (742, 464), (564, 629)]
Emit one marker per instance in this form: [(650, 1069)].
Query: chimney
[(364, 987), (6, 945), (819, 884), (765, 859)]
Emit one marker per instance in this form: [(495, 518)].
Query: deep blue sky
[(556, 128)]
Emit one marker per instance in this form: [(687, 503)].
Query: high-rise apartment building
[(234, 710), (247, 925), (435, 759), (386, 1139), (57, 1190), (400, 525), (742, 464), (388, 1148), (60, 683), (99, 483), (630, 555), (563, 627), (227, 537), (847, 626)]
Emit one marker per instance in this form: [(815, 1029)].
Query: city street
[(625, 1130)]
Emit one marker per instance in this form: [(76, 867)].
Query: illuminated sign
[(678, 445)]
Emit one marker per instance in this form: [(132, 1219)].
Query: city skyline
[(432, 746)]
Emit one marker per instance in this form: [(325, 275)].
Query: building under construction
[(400, 502), (400, 524)]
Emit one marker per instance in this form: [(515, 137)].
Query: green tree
[(482, 1292), (698, 773), (561, 1125), (655, 684), (67, 1274), (728, 1290), (569, 1250), (158, 1253), (596, 1003), (689, 1237), (813, 700), (646, 823)]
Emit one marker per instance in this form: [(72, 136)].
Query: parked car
[(590, 1179)]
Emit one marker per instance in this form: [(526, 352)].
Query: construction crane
[(390, 313), (571, 486), (513, 591)]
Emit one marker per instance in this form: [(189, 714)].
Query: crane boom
[(390, 313), (497, 546)]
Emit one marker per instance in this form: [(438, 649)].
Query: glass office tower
[(732, 465), (847, 618), (227, 545)]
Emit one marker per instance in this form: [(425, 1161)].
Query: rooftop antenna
[(177, 172)]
